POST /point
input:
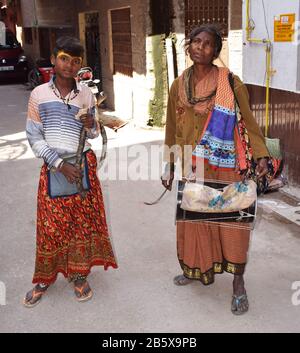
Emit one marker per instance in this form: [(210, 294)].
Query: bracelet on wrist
[(60, 165)]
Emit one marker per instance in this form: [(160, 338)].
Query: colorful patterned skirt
[(205, 249), (72, 234)]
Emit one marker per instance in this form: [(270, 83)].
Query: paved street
[(140, 295)]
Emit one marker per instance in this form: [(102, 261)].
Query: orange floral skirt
[(72, 234)]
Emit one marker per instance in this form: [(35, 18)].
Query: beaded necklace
[(189, 84), (66, 99)]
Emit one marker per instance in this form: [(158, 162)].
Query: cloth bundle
[(234, 197)]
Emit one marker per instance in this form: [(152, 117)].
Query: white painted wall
[(286, 55), (235, 52)]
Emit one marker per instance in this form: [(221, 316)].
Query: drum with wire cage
[(243, 219)]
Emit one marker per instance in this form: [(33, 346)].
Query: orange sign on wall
[(284, 28)]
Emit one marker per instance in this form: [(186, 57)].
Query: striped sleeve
[(35, 134)]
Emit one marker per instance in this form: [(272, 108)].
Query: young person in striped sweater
[(72, 233)]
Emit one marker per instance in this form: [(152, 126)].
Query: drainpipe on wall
[(35, 14), (268, 47)]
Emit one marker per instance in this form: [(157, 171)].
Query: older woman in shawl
[(201, 111)]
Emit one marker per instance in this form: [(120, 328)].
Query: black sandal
[(239, 304), (83, 291), (34, 296), (181, 280)]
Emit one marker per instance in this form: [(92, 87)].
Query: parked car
[(13, 62)]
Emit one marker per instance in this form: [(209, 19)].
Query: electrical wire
[(265, 18)]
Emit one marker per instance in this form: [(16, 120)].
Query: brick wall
[(235, 14)]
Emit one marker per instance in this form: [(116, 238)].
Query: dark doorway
[(92, 40), (162, 10), (44, 39)]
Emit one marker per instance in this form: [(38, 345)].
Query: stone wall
[(48, 13), (59, 16)]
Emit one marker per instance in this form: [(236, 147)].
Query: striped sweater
[(51, 128)]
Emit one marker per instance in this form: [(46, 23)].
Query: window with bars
[(121, 41), (198, 12)]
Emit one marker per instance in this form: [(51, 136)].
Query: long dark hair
[(208, 28)]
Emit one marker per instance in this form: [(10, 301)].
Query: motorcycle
[(41, 73), (85, 77)]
